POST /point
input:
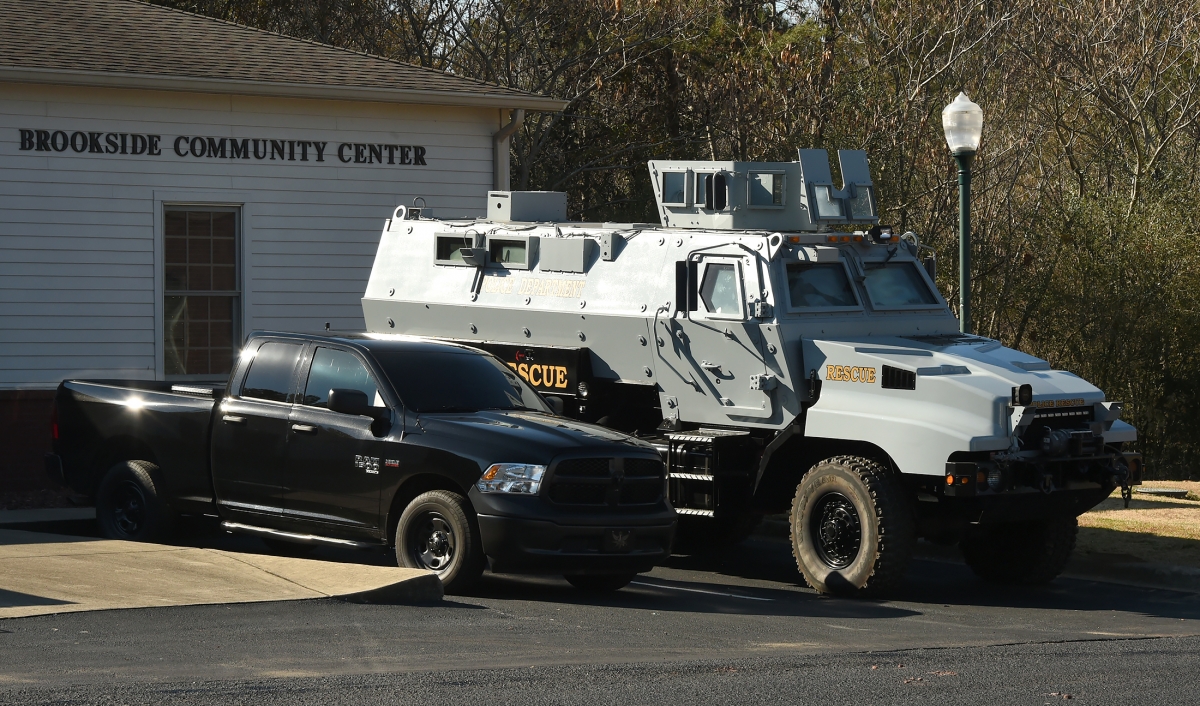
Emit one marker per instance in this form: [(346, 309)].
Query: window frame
[(237, 294), (701, 312), (243, 361), (689, 188), (858, 297), (778, 174), (310, 355), (939, 302)]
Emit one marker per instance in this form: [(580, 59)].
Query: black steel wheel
[(836, 530), (853, 531), (438, 532), (128, 504), (599, 583)]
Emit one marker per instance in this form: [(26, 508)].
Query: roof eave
[(188, 84)]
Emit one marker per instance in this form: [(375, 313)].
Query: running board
[(294, 536)]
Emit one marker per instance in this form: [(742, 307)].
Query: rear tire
[(438, 532), (1025, 553), (853, 532), (129, 504), (599, 583)]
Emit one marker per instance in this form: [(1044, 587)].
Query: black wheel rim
[(432, 543), (836, 530), (128, 508)]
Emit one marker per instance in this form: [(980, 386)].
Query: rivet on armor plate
[(647, 371), (581, 336), (582, 304), (474, 328), (391, 324), (526, 332), (392, 292), (642, 340)]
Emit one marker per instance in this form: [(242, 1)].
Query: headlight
[(520, 478)]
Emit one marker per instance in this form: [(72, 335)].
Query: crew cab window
[(897, 284), (720, 289), (333, 369), (270, 376), (455, 381), (819, 286)]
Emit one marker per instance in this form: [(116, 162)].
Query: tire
[(1025, 553), (697, 535), (438, 532), (853, 531), (286, 548), (129, 504), (599, 583)]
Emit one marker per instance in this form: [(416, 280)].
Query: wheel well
[(789, 464), (115, 450), (411, 488)]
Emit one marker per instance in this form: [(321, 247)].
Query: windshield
[(451, 380), (897, 284), (819, 286)]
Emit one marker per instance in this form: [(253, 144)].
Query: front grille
[(606, 482)]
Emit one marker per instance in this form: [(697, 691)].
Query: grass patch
[(1152, 529)]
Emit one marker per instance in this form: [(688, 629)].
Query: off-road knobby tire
[(130, 506), (1023, 553), (599, 583), (888, 528), (467, 561), (697, 535)]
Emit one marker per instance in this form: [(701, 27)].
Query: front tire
[(129, 504), (853, 532), (1024, 553), (438, 532)]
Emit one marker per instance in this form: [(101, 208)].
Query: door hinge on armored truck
[(765, 381)]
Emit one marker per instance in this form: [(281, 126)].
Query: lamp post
[(963, 122)]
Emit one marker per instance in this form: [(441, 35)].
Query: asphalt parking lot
[(729, 625)]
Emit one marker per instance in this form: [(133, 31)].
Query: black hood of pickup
[(495, 436)]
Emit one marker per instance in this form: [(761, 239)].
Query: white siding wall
[(80, 234)]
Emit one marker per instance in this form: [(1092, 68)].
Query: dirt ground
[(1153, 529)]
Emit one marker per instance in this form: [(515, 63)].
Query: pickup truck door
[(250, 433), (333, 459)]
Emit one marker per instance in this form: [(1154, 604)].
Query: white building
[(169, 183)]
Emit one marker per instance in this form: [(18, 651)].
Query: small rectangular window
[(508, 252), (897, 284), (333, 369), (862, 205), (828, 205), (674, 188), (201, 298), (449, 248), (766, 190), (721, 290), (270, 374)]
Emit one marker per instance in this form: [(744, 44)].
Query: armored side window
[(449, 248), (508, 251), (862, 203), (712, 191), (828, 204), (720, 290), (674, 188), (766, 190), (822, 286)]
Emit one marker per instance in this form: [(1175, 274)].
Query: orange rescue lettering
[(542, 375), (846, 373)]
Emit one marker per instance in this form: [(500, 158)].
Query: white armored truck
[(779, 359)]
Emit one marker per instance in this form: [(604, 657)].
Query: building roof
[(133, 44)]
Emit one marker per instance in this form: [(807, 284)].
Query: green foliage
[(1084, 188)]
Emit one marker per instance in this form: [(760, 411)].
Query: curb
[(416, 590)]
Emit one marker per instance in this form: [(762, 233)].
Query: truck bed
[(100, 421)]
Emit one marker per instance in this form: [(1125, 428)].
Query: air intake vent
[(898, 379)]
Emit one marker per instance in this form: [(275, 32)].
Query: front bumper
[(602, 546)]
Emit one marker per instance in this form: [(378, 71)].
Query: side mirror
[(348, 402), (556, 404)]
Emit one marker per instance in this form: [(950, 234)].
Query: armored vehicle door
[(714, 348)]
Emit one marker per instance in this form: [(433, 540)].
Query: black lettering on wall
[(419, 156), (43, 140), (405, 154), (125, 145), (264, 149), (154, 148), (139, 144), (277, 149), (391, 150), (198, 148), (113, 142), (375, 154), (360, 153), (216, 148), (181, 140), (59, 141), (341, 152), (320, 147), (303, 150), (94, 142), (239, 149), (79, 141), (26, 140)]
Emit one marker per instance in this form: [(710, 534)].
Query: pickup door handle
[(304, 429), (232, 419)]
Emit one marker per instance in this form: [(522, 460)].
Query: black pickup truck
[(438, 449)]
